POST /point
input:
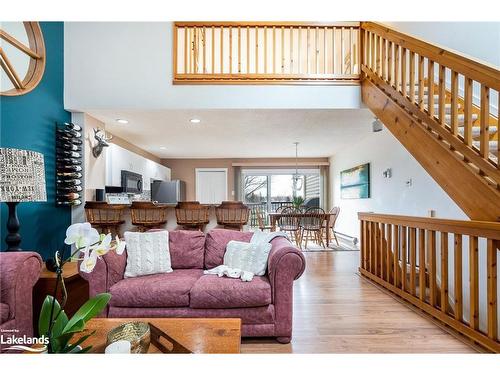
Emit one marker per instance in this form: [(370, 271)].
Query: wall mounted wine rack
[(69, 164)]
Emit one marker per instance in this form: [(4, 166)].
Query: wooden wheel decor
[(35, 50)]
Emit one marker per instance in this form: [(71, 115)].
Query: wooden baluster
[(363, 244), (230, 49), (431, 254), (442, 95), (366, 47), (444, 272), (404, 258), (342, 51), (334, 51), (195, 50), (373, 251), (274, 50), (491, 270), (368, 254), (396, 256), (324, 50), (382, 249), (222, 50), (282, 50), (204, 36), (213, 50), (256, 50), (454, 102), (186, 47), (291, 50), (430, 88), (248, 50), (468, 111), (265, 49), (384, 57), (457, 257), (421, 82), (412, 76), (239, 50), (404, 77), (388, 260), (390, 63), (413, 261), (316, 50), (421, 263), (376, 248), (374, 53), (378, 45), (484, 120), (474, 282), (397, 77), (307, 52)]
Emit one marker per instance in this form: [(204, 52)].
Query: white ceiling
[(239, 133)]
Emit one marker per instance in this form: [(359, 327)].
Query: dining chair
[(312, 225), (334, 214), (261, 220), (192, 215), (289, 223)]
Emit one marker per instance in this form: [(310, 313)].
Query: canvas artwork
[(355, 182)]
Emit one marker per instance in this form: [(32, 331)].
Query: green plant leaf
[(70, 347), (44, 318), (89, 309)]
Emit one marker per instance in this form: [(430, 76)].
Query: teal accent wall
[(27, 122)]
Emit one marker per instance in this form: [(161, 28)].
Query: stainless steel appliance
[(131, 182), (168, 191)]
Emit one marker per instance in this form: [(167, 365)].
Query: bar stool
[(148, 215), (106, 218), (232, 215), (192, 215)]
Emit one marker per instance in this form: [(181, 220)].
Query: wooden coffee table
[(198, 335)]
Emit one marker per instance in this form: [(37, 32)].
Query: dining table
[(274, 218)]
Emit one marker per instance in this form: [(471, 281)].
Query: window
[(268, 190)]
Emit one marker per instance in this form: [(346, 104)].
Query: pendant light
[(297, 180)]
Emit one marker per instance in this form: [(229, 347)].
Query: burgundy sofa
[(19, 271), (264, 305)]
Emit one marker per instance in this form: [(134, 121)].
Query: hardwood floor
[(336, 311)]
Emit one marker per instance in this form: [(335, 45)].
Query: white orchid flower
[(81, 235), (89, 261), (120, 245), (103, 246)]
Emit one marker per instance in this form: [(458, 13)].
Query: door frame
[(197, 186)]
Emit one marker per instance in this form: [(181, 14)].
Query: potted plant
[(53, 322), (297, 201)]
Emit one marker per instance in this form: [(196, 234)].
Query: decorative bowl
[(137, 333)]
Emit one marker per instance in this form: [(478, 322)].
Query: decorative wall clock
[(22, 57)]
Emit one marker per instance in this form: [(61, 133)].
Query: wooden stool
[(232, 215), (106, 218), (147, 215), (192, 215)]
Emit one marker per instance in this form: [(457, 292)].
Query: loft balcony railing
[(266, 53)]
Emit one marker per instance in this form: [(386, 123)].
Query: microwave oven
[(131, 182)]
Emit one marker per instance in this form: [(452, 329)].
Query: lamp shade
[(22, 176)]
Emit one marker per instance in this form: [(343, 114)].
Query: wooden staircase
[(441, 107)]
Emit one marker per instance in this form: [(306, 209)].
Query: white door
[(211, 185)]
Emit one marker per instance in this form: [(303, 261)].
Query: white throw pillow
[(250, 257), (147, 253)]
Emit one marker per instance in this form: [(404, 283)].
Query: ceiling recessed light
[(163, 148), (121, 121), (195, 121)]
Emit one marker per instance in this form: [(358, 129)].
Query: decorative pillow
[(250, 257), (216, 242), (147, 253)]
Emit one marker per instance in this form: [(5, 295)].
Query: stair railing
[(438, 266), (454, 96), (266, 53)]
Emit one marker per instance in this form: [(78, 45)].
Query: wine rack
[(69, 164)]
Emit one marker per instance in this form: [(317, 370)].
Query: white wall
[(388, 195), (129, 65), (118, 158)]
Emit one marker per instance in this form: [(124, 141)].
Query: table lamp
[(22, 179)]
